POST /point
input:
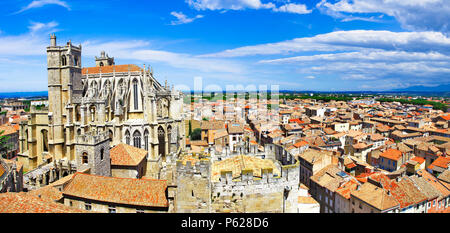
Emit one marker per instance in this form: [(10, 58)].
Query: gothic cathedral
[(108, 102)]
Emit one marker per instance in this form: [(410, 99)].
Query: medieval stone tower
[(92, 152), (64, 87)]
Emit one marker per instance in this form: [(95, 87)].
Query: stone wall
[(253, 194), (193, 187)]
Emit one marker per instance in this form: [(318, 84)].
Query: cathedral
[(93, 109)]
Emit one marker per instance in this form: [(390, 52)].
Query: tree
[(4, 145), (196, 134), (190, 128)]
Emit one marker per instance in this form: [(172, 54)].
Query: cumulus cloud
[(247, 4), (182, 18), (422, 15), (41, 3)]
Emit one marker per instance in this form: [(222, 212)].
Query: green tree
[(4, 145), (190, 128), (196, 134)]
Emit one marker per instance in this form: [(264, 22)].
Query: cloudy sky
[(323, 45)]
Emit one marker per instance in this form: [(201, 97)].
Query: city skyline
[(298, 45)]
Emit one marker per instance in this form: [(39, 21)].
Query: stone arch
[(44, 136), (101, 63), (75, 60), (146, 133), (26, 138), (137, 139), (127, 137), (169, 137), (111, 135), (77, 113), (63, 60), (161, 141), (84, 158), (135, 94), (92, 110)]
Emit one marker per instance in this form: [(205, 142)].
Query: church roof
[(128, 191), (126, 155), (110, 69)]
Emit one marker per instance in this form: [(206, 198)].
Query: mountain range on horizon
[(417, 88)]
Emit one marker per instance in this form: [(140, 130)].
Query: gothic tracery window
[(127, 137), (135, 91), (146, 139), (137, 139)]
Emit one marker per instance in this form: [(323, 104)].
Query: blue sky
[(322, 45)]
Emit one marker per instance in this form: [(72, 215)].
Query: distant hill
[(440, 88), (23, 94)]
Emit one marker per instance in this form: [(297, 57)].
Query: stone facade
[(93, 153), (124, 101), (247, 194)]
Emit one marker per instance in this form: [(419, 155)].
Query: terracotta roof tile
[(110, 69), (25, 203), (140, 192), (126, 155)]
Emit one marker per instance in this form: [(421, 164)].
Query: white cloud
[(32, 43), (388, 56), (420, 15), (293, 8), (224, 5), (348, 40), (182, 18), (41, 3), (228, 4), (310, 77)]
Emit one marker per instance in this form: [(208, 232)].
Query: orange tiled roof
[(140, 192), (418, 159), (375, 196), (110, 69), (7, 129), (25, 203), (126, 155), (441, 161), (392, 154), (48, 192), (345, 189)]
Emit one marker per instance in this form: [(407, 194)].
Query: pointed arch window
[(135, 91), (127, 137), (146, 139), (137, 139), (63, 60)]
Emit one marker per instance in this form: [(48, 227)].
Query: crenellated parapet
[(249, 183), (200, 167), (93, 138)]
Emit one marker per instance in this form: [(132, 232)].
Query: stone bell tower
[(104, 60), (92, 152), (64, 89)]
